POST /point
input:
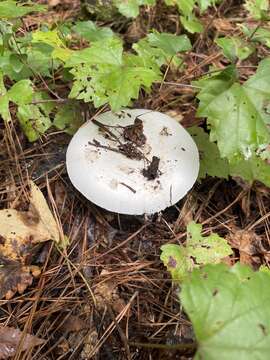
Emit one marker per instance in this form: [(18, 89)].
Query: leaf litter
[(131, 258), (10, 338), (20, 231)]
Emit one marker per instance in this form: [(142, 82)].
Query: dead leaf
[(53, 3), (19, 230), (10, 339), (14, 277), (106, 292), (73, 324), (175, 114), (90, 342), (247, 244), (223, 25)]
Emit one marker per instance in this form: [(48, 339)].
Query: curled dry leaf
[(16, 278), (10, 339), (19, 232), (106, 292), (20, 229), (247, 244)]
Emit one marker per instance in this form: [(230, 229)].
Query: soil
[(152, 172), (134, 133)]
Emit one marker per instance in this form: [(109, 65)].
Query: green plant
[(198, 250), (229, 310), (104, 73), (219, 300)]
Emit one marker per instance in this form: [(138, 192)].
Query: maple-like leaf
[(199, 250), (230, 311), (235, 48), (68, 117), (130, 8), (254, 168), (237, 114), (10, 9), (103, 74), (35, 118), (89, 31), (210, 161)]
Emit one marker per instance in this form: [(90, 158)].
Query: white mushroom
[(164, 166)]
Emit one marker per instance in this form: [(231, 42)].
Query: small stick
[(129, 187), (105, 128)]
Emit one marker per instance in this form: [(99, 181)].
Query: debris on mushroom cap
[(133, 162)]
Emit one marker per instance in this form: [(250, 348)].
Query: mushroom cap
[(114, 182)]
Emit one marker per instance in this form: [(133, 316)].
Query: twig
[(105, 128), (129, 187)]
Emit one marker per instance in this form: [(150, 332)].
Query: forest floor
[(106, 295)]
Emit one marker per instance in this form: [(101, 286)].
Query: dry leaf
[(89, 344), (14, 277), (19, 230), (53, 3), (73, 324), (10, 339), (175, 114), (247, 244), (105, 293), (223, 25)]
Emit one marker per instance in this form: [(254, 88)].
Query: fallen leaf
[(14, 277), (19, 230), (73, 324), (10, 339), (53, 3), (106, 292), (247, 244), (223, 25)]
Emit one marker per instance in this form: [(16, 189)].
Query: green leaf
[(191, 24), (150, 54), (252, 169), (212, 86), (11, 9), (130, 8), (177, 261), (205, 249), (107, 52), (91, 32), (235, 48), (17, 61), (103, 74), (68, 118), (21, 92), (204, 4), (186, 6), (199, 250), (161, 48), (230, 312), (51, 38), (34, 118), (4, 100), (210, 161), (258, 8), (169, 43), (237, 114), (261, 34)]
